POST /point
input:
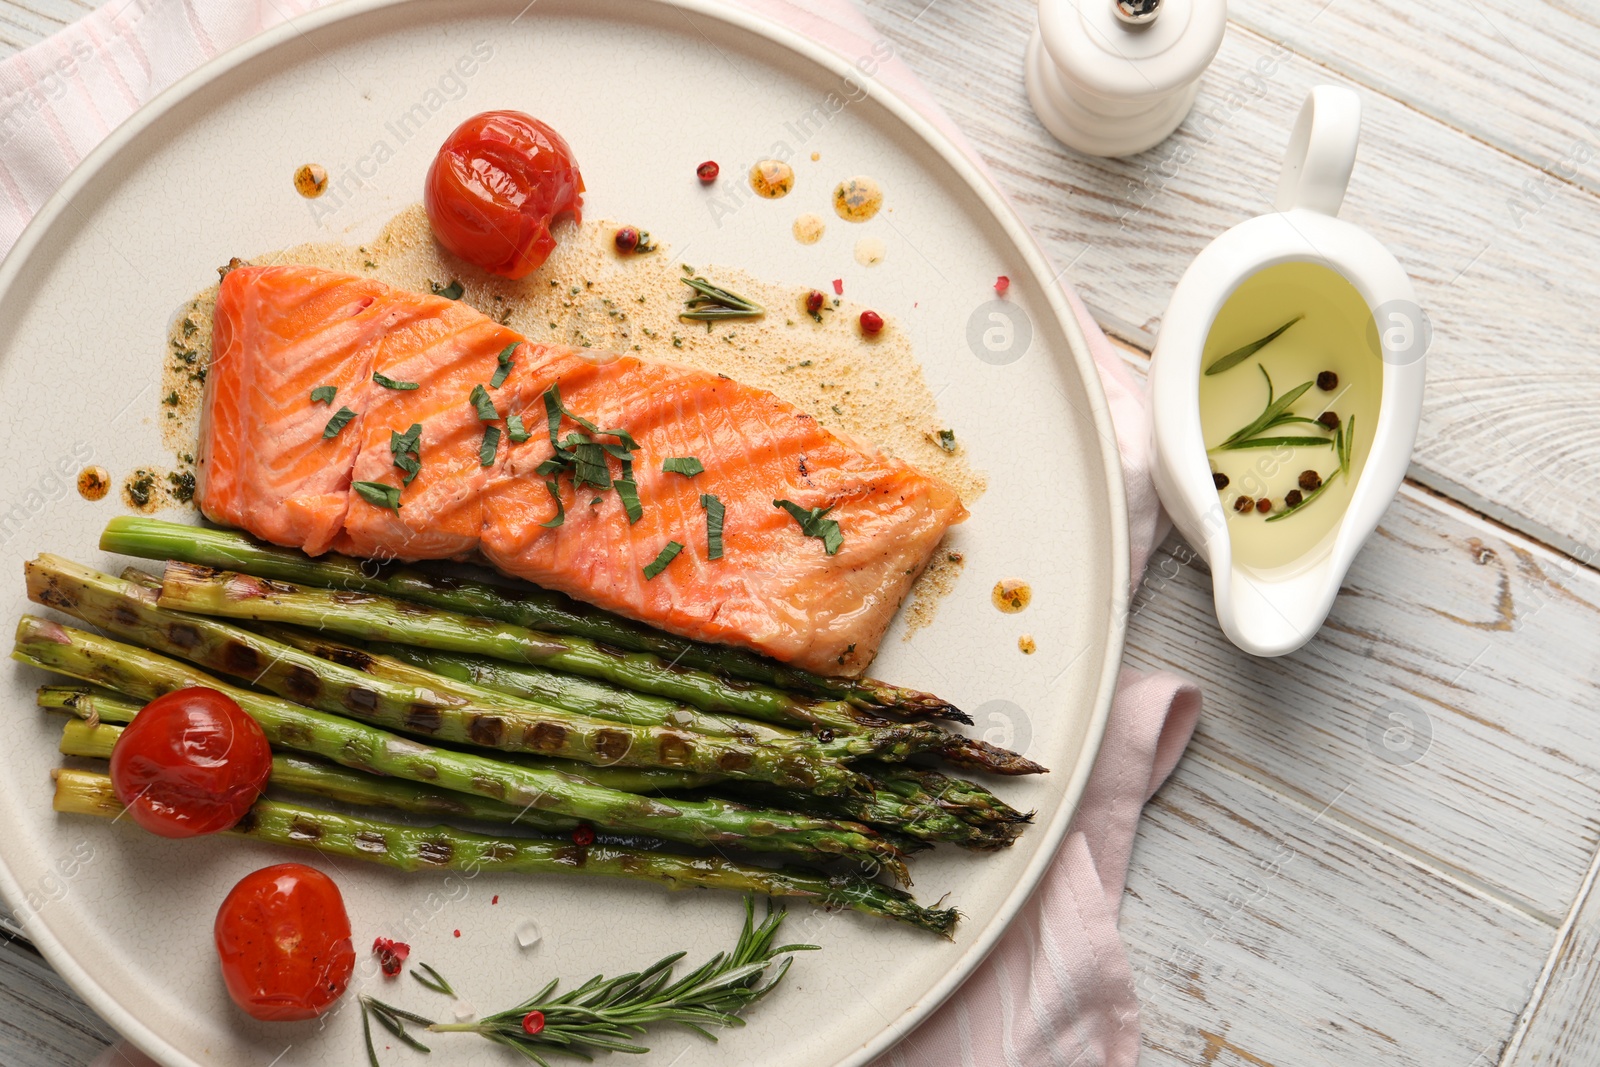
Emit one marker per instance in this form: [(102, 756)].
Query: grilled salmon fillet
[(268, 465)]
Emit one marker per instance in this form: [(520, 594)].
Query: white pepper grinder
[(1115, 77)]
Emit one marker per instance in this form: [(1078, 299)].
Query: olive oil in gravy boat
[(1271, 612)]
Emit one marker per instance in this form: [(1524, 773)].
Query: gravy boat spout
[(1280, 506)]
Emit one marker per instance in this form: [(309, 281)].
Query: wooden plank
[(42, 1021), (23, 22), (1263, 935), (1516, 74), (1497, 292), (1446, 708), (1561, 1024)]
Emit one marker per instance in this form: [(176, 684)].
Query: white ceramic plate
[(643, 90)]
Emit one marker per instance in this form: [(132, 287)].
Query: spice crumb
[(1243, 503), (1027, 644), (1327, 381), (1219, 479), (1263, 505)]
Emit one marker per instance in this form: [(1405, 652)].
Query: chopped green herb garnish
[(945, 439), (659, 564), (484, 406), (812, 524), (378, 494), (452, 291), (715, 514), (491, 445), (628, 493), (504, 368), (515, 430), (337, 423), (588, 463), (712, 302), (554, 490), (687, 466), (140, 487), (586, 458), (407, 450), (1239, 355), (182, 483), (389, 383), (324, 394)]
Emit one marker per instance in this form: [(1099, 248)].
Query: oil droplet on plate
[(815, 156), (94, 483), (1027, 644), (1011, 595), (857, 199), (869, 251), (310, 181), (772, 178), (808, 229)]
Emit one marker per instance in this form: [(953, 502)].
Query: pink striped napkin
[(1058, 988)]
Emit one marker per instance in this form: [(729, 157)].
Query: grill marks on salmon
[(264, 466)]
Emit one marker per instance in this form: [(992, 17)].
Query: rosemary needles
[(1344, 443), (1276, 413), (1239, 355), (712, 303), (610, 1014)]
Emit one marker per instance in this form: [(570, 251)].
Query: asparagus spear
[(527, 605), (585, 696), (197, 589), (96, 707), (316, 777), (523, 680), (901, 807), (203, 591), (143, 675), (412, 848), (454, 711)]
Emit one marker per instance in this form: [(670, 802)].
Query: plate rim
[(134, 1029)]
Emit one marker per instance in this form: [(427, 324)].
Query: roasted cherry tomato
[(284, 941), (494, 188), (191, 762)]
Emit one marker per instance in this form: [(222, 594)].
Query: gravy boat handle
[(1321, 152)]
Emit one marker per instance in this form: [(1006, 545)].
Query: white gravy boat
[(1273, 612)]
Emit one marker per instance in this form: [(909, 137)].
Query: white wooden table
[(1381, 849)]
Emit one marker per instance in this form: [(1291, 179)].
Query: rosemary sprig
[(1275, 408), (1275, 442), (433, 980), (1344, 441), (392, 1019), (1239, 355), (610, 1014), (1276, 413), (712, 303)]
